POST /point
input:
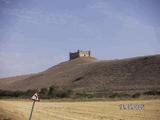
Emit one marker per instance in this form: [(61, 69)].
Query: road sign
[(34, 98)]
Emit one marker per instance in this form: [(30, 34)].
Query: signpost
[(34, 98)]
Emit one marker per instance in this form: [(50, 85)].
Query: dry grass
[(96, 110), (90, 75)]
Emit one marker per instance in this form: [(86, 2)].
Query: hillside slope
[(89, 74)]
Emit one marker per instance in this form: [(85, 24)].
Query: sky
[(37, 34)]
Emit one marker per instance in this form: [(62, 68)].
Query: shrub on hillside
[(43, 93), (153, 92), (136, 95)]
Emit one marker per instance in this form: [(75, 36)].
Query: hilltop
[(92, 75)]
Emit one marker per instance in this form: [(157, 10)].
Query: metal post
[(30, 118)]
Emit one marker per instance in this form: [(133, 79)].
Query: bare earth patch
[(3, 116)]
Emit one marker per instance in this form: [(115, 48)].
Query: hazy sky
[(37, 34)]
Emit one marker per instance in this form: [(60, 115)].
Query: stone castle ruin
[(79, 54)]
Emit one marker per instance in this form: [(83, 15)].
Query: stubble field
[(95, 110)]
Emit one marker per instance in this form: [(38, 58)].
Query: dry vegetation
[(95, 110), (89, 74)]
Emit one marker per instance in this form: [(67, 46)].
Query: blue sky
[(37, 34)]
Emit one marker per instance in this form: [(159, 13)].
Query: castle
[(79, 54)]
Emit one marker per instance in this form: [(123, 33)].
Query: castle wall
[(73, 55), (84, 54), (79, 54)]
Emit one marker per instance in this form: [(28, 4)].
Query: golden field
[(89, 110)]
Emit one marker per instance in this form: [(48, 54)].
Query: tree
[(52, 91)]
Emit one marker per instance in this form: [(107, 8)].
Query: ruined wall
[(73, 55), (79, 53), (84, 53)]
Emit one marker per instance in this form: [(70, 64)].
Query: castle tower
[(79, 54)]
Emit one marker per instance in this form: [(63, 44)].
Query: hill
[(91, 75)]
